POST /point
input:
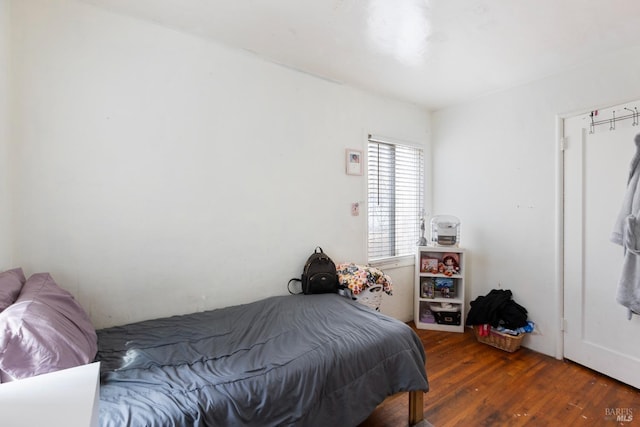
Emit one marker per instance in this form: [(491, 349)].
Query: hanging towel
[(626, 232)]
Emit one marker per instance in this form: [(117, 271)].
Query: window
[(395, 197)]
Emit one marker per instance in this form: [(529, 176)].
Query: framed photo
[(429, 265), (428, 288), (354, 162), (445, 287)]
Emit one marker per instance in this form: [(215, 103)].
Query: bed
[(312, 360), (296, 360)]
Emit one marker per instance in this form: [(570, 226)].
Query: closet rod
[(614, 119)]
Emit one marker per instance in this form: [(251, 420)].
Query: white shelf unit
[(428, 310)]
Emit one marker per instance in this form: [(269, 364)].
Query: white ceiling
[(431, 52)]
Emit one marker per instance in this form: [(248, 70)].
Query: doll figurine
[(450, 265), (423, 240)]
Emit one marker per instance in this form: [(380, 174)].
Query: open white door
[(597, 333)]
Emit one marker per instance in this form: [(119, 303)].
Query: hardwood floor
[(473, 384)]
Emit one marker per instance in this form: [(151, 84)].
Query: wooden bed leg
[(416, 400)]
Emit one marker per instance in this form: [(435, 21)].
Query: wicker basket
[(371, 297), (499, 340)]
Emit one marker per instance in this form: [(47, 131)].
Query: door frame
[(560, 145), (559, 231)]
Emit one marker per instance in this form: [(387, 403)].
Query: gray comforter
[(312, 360)]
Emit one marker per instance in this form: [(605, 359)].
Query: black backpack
[(319, 275)]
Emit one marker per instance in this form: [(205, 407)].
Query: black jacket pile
[(497, 309)]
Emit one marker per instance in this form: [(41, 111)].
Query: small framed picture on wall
[(354, 162)]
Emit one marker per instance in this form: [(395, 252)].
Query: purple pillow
[(11, 282), (45, 330)]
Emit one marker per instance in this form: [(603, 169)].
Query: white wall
[(5, 196), (161, 173), (495, 167)]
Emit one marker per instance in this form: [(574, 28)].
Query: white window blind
[(395, 175)]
